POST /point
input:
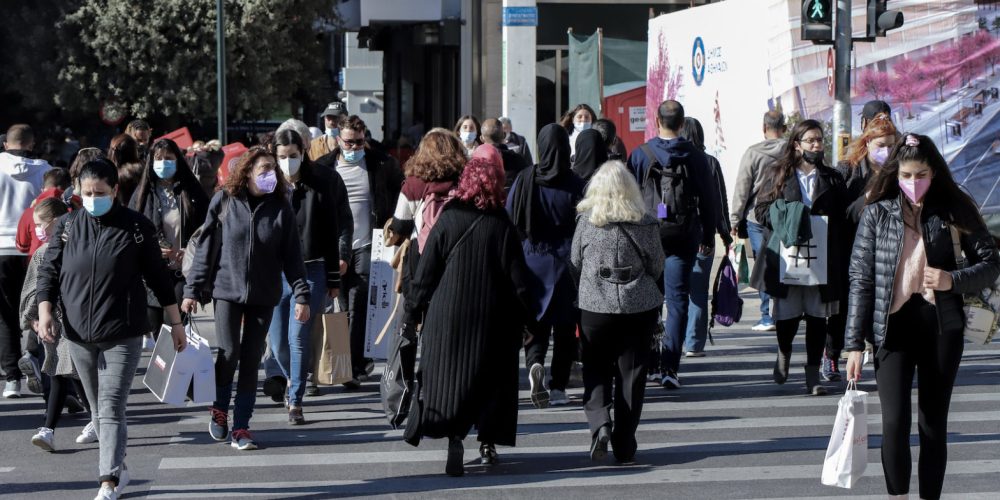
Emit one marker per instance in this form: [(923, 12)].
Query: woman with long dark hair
[(169, 195), (469, 129), (906, 299), (254, 228), (801, 197), (124, 153), (575, 121), (865, 157), (472, 284)]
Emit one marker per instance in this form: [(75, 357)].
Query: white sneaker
[(557, 397), (122, 479), (88, 434), (44, 439), (106, 493), (536, 376), (764, 327), (12, 389)]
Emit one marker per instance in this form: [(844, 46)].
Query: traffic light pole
[(843, 44)]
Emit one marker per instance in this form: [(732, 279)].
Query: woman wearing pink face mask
[(906, 299), (865, 157)]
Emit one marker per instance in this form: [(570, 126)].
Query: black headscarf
[(591, 153), (553, 161)]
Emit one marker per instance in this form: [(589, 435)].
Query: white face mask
[(290, 166), (581, 126), (468, 137)]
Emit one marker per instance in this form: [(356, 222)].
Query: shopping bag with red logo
[(847, 453), (175, 376)]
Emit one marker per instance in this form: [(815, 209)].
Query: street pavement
[(730, 432)]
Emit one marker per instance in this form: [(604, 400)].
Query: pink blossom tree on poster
[(939, 69), (989, 50), (874, 83), (662, 84), (906, 86)]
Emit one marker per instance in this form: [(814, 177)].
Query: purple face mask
[(267, 181)]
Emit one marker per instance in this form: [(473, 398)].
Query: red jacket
[(25, 240)]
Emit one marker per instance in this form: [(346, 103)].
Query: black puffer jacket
[(384, 177), (876, 256)]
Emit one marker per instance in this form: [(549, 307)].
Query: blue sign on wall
[(520, 16)]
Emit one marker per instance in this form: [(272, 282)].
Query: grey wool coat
[(619, 266)]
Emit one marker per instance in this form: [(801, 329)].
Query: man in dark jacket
[(749, 178), (513, 163), (685, 229), (372, 180), (516, 143)]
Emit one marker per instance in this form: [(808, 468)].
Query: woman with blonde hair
[(618, 262)]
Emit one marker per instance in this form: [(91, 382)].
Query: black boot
[(813, 386), (455, 466), (781, 367)]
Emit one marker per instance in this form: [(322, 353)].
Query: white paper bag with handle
[(847, 453)]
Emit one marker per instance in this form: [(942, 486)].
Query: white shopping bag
[(171, 373), (847, 453), (806, 265), (385, 306)]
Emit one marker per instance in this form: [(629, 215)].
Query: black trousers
[(815, 337), (615, 350), (564, 349), (914, 344), (836, 328), (12, 270), (155, 313), (61, 387), (239, 347), (354, 300)]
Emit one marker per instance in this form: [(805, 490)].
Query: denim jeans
[(290, 340), (756, 233), (106, 371), (697, 323), (676, 284), (240, 347)]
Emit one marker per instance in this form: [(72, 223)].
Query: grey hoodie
[(20, 183), (748, 180)]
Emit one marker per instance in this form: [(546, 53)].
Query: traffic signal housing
[(881, 19), (817, 21)]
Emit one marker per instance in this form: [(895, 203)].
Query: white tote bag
[(847, 453)]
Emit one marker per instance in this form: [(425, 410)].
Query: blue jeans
[(676, 284), (697, 323), (756, 233), (289, 339)]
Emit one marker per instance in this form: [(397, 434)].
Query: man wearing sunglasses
[(372, 180)]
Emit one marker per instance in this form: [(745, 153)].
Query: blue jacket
[(256, 248), (701, 182), (549, 259)]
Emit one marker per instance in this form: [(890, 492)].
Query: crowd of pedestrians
[(602, 256)]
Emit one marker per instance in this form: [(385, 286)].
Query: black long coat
[(476, 298), (830, 199)]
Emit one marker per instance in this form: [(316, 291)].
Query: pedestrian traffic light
[(880, 19), (817, 20)]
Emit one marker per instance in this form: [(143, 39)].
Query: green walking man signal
[(817, 11)]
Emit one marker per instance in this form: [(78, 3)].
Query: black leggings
[(913, 344), (564, 349), (815, 337), (58, 391)]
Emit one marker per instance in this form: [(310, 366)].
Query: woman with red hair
[(471, 284)]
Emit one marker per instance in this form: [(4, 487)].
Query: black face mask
[(813, 157)]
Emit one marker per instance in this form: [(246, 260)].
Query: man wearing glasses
[(373, 180)]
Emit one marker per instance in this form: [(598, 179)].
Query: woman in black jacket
[(906, 299), (170, 196), (800, 178), (316, 215), (240, 261), (865, 156), (95, 265)]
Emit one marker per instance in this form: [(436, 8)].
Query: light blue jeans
[(698, 307), (756, 233), (290, 339), (106, 371)]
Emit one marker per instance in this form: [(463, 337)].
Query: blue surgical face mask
[(353, 156), (165, 169), (97, 205), (581, 126), (332, 132), (467, 137)]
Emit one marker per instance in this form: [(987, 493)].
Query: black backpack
[(667, 185)]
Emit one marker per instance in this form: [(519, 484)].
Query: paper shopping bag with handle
[(847, 453), (331, 342)]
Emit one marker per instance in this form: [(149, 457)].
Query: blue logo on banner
[(698, 61), (520, 16)]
